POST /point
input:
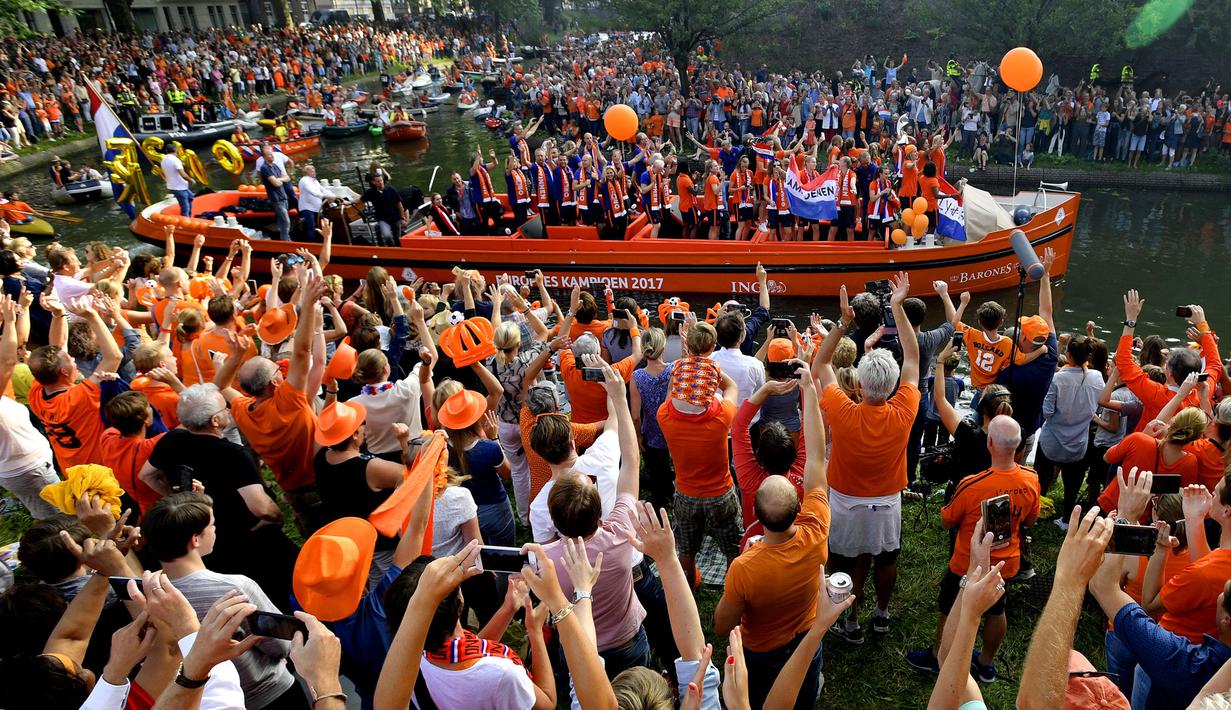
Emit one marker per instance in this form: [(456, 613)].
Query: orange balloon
[(920, 204), (920, 226), (621, 122), (908, 216), (898, 237), (1021, 69)]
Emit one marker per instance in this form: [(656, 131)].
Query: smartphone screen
[(998, 519), (1133, 540), (119, 585), (502, 560), (782, 369), (678, 316), (1183, 312), (1165, 483), (275, 626), (592, 374), (252, 287), (184, 482)]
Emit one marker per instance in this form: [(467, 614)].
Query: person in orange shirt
[(965, 512), (989, 350), (174, 283), (1143, 452), (937, 155), (848, 202), (909, 188), (867, 465), (684, 186), (1180, 362), (588, 397), (929, 186), (1190, 597), (696, 423), (126, 445), (712, 201), (771, 590), (275, 415), (156, 366), (68, 409)]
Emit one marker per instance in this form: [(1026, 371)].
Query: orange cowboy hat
[(342, 365), (277, 325), (669, 306), (339, 421), (331, 572), (462, 410)]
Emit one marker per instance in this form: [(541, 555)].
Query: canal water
[(1173, 247)]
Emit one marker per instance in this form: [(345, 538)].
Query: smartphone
[(252, 287), (1184, 312), (959, 339), (592, 374), (781, 324), (531, 275), (274, 626), (119, 585), (998, 520), (504, 560), (678, 316), (1133, 540), (1203, 377), (1165, 483), (779, 370), (184, 482)]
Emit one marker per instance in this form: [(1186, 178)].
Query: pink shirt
[(617, 613)]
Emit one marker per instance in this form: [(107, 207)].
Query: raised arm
[(763, 284), (630, 456), (1045, 308), (814, 432), (311, 288), (822, 364), (942, 289), (948, 415), (906, 334)]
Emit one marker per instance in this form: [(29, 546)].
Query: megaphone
[(1025, 255)]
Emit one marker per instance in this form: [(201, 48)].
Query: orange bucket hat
[(462, 410), (342, 365), (338, 422), (331, 572), (277, 325), (694, 380), (469, 342), (780, 349)]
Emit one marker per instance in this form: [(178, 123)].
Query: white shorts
[(864, 526)]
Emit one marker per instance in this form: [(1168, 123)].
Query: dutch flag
[(815, 199)]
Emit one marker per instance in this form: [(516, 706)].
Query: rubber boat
[(437, 99), (252, 151), (484, 112), (421, 81), (399, 131), (163, 125), (81, 191), (467, 106), (353, 128), (572, 256), (36, 228), (507, 60)]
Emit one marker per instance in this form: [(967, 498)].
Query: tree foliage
[(13, 20), (682, 25)]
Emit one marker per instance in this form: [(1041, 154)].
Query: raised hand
[(577, 564), (1132, 305), (1084, 544), (1197, 502)]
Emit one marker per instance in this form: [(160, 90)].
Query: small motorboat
[(400, 131), (484, 112), (311, 119), (495, 123), (82, 191), (421, 81), (507, 60), (437, 99), (34, 228), (252, 151), (467, 105), (164, 126), (353, 128)]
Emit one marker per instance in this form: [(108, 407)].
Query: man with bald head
[(965, 512), (274, 413), (771, 589)]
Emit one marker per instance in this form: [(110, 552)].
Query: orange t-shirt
[(966, 508), (162, 398), (987, 358), (1144, 452), (540, 472), (1191, 596), (1210, 466), (927, 187), (280, 429), (910, 179), (683, 186), (71, 420), (868, 458), (709, 201), (160, 308), (938, 159), (1154, 395), (589, 399), (125, 455), (198, 362), (595, 328), (698, 444), (777, 583)]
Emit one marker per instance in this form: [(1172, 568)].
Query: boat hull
[(574, 256), (204, 134), (352, 129), (405, 131), (36, 228), (81, 192), (252, 151)]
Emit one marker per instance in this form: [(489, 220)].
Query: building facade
[(176, 15)]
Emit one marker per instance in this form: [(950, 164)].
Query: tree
[(682, 25), (12, 15), (1053, 28)]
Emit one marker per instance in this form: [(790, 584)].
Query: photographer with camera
[(867, 470)]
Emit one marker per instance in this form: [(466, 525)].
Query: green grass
[(1207, 163), (875, 674)]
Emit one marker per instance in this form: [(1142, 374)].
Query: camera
[(881, 289), (592, 374)]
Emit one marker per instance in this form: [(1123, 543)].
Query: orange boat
[(572, 256), (399, 131), (252, 151)]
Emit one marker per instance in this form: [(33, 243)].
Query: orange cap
[(469, 342), (331, 572), (1092, 693), (1035, 328), (277, 325), (198, 287), (780, 349), (338, 422), (262, 290), (462, 410), (342, 365)]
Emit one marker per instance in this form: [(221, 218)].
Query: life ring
[(192, 164), (228, 156)]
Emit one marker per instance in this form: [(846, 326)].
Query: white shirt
[(310, 194), (22, 448), (399, 403), (453, 509), (602, 459), (222, 690), (492, 683), (279, 160), (748, 372), (171, 167)]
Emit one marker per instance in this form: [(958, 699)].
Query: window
[(235, 16), (213, 18)]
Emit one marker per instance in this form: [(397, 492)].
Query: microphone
[(1025, 254)]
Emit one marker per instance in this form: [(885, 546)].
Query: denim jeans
[(764, 667), (496, 523), (184, 198), (1120, 661), (308, 217), (284, 219), (694, 126), (632, 654), (649, 591)]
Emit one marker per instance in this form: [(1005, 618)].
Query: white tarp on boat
[(983, 214)]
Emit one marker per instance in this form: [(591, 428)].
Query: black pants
[(660, 477), (521, 212), (915, 441), (1071, 475)]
